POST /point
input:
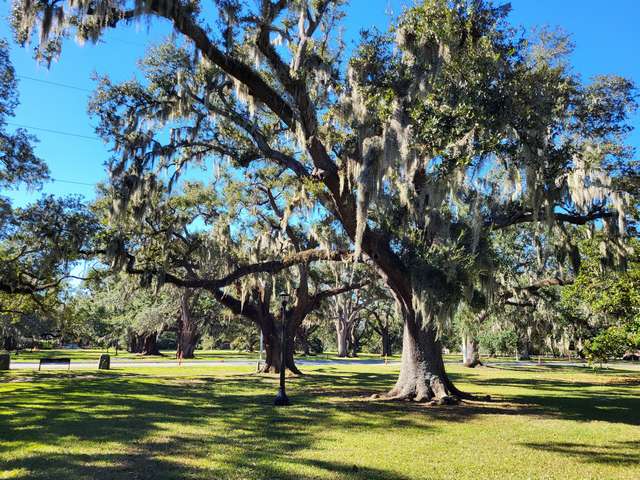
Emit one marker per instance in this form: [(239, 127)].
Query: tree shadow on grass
[(556, 398), (167, 428), (105, 425), (609, 401), (618, 452)]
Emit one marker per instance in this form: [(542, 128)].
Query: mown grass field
[(93, 354), (86, 354), (219, 423)]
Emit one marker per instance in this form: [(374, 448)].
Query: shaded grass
[(218, 422)]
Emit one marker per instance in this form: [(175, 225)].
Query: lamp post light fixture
[(281, 399)]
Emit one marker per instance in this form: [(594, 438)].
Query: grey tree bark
[(342, 333), (423, 377), (470, 351), (188, 334)]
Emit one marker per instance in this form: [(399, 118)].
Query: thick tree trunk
[(187, 341), (134, 344), (386, 343), (354, 343), (470, 351), (188, 335), (422, 374), (272, 349), (145, 344), (302, 340), (524, 352), (342, 337), (524, 347), (150, 344), (10, 343)]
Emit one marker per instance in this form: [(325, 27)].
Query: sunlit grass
[(93, 354), (218, 422), (90, 355)]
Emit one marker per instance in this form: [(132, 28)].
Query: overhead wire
[(56, 84), (50, 130), (73, 182)]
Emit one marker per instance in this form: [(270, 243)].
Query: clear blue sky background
[(606, 35)]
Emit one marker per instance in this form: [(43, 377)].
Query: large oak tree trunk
[(302, 339), (134, 343), (145, 344), (150, 344), (272, 342), (188, 334), (10, 343), (354, 342), (342, 340), (524, 347), (470, 351), (422, 374), (386, 343)]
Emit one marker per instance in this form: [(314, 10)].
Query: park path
[(88, 365)]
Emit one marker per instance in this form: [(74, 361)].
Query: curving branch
[(527, 216), (271, 266)]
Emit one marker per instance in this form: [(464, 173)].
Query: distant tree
[(608, 301), (613, 342), (198, 310), (347, 311), (119, 311), (611, 295)]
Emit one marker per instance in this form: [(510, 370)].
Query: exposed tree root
[(436, 392), (269, 368), (474, 364)]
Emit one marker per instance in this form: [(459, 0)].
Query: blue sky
[(605, 33)]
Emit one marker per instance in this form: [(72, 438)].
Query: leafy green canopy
[(421, 146)]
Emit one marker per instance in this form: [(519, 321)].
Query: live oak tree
[(122, 313), (347, 309), (232, 239), (40, 246), (383, 318), (527, 276), (608, 302), (196, 312), (420, 146)]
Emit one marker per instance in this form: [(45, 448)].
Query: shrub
[(502, 342), (608, 344)]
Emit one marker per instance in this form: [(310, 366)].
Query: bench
[(55, 361)]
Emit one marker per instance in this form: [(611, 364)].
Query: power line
[(57, 84), (73, 182), (58, 132)]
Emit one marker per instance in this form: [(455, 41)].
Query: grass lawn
[(218, 423), (93, 354), (89, 355)]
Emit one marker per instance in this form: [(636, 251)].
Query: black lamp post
[(281, 399)]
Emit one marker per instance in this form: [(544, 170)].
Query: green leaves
[(18, 161), (609, 344)]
